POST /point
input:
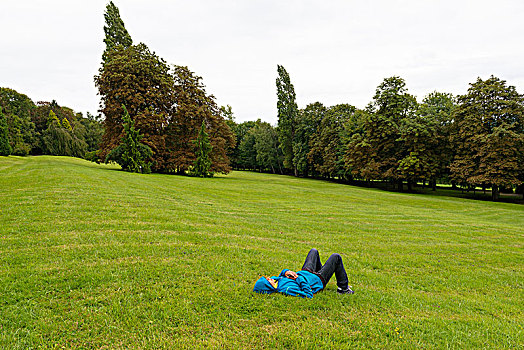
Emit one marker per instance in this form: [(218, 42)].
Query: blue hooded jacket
[(304, 286)]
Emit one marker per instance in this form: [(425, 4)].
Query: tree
[(131, 154), (92, 132), (5, 148), (327, 146), (115, 32), (17, 109), (307, 125), (489, 135), (436, 114), (57, 140), (266, 147), (247, 150), (192, 105), (226, 113), (66, 125), (376, 153), (287, 115), (140, 80), (203, 148), (240, 131)]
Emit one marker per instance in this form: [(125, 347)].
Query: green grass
[(92, 257)]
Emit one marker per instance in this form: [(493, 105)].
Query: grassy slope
[(94, 257)]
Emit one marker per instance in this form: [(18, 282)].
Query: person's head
[(265, 285)]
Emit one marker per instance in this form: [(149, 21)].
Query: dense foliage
[(131, 154), (5, 147), (472, 140), (287, 115), (168, 105), (115, 31), (489, 136), (46, 127), (202, 164)]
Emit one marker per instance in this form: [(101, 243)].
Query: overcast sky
[(335, 51)]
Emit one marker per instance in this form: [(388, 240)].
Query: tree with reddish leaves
[(192, 106), (140, 80)]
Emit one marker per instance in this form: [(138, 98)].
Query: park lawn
[(93, 257)]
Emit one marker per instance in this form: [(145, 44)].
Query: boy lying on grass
[(310, 280)]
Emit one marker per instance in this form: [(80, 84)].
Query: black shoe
[(345, 291)]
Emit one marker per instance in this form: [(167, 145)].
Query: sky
[(335, 51)]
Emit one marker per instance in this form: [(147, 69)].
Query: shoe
[(345, 291)]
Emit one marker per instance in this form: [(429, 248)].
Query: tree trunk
[(400, 185), (296, 172), (495, 193), (434, 184), (410, 185)]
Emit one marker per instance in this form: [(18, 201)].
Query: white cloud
[(335, 51)]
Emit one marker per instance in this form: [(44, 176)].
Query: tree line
[(476, 139), (159, 117), (45, 128)]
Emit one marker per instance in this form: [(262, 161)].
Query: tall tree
[(192, 105), (240, 131), (5, 148), (248, 151), (377, 153), (489, 135), (307, 125), (17, 109), (203, 148), (56, 139), (436, 117), (115, 32), (287, 115), (140, 80), (266, 147), (327, 146)]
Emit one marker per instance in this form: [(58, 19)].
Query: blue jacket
[(313, 280), (304, 286)]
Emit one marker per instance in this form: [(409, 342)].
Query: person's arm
[(304, 287), (283, 273), (289, 274)]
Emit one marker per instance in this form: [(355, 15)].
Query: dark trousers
[(332, 266)]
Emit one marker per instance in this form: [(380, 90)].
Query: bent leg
[(335, 266), (312, 262)]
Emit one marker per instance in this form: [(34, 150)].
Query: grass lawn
[(92, 257)]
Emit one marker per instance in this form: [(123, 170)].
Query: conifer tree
[(131, 154), (115, 31), (5, 147), (287, 115), (66, 125), (203, 148), (52, 118)]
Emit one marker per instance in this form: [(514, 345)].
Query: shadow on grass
[(448, 192), (441, 191)]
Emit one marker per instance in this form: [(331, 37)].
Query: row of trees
[(44, 128), (168, 105), (476, 139)]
